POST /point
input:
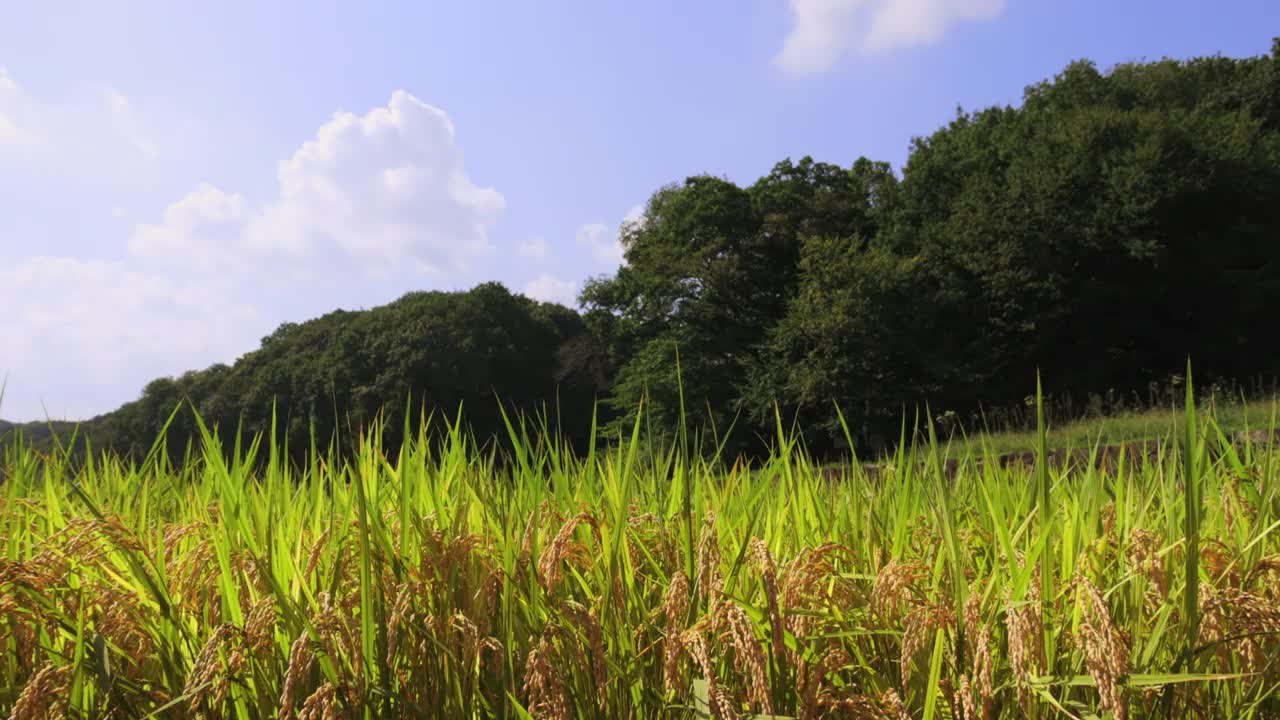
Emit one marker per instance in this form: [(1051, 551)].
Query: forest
[(1112, 226)]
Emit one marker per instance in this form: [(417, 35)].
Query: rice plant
[(639, 581)]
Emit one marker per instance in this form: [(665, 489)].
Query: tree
[(710, 270), (695, 266), (852, 336), (1111, 225), (1124, 216), (428, 352)]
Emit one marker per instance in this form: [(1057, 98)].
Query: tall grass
[(638, 581)]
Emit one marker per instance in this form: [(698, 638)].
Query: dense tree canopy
[(428, 351), (1102, 232)]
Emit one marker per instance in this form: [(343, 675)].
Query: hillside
[(1114, 224), (425, 354), (38, 433)]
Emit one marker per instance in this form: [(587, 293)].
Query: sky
[(177, 179)]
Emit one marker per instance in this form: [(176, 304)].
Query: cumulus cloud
[(203, 230), (126, 124), (100, 129), (535, 248), (371, 192), (549, 288), (604, 242), (85, 335), (823, 30), (601, 241), (107, 329), (18, 127)]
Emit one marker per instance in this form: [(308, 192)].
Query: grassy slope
[(1144, 425)]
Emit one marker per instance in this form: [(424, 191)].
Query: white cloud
[(203, 229), (126, 124), (548, 288), (105, 330), (86, 141), (601, 241), (604, 242), (18, 127), (535, 248), (370, 193), (85, 334), (823, 30)]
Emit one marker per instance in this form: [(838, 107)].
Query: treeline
[(482, 352), (1102, 232)]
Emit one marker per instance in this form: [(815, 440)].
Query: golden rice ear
[(720, 702), (323, 704), (549, 565), (259, 626), (894, 708), (545, 692), (1026, 642), (769, 577), (313, 557), (1106, 649), (207, 679), (594, 657), (895, 588), (1242, 624), (918, 625), (708, 579), (44, 695), (978, 687), (301, 662), (675, 608), (749, 657)]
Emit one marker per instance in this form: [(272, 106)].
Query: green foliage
[(438, 583), (693, 268), (343, 373), (1126, 217), (834, 344), (1085, 216), (710, 269)]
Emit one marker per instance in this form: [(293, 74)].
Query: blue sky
[(176, 179)]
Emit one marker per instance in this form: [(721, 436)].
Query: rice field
[(639, 581)]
